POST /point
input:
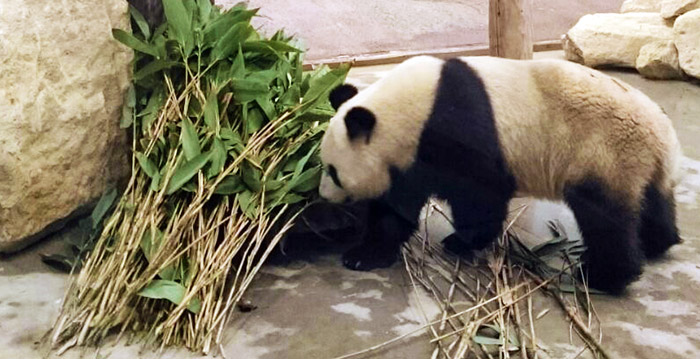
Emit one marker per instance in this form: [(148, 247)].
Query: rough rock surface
[(614, 39), (672, 8), (686, 31), (641, 6), (659, 60), (62, 84)]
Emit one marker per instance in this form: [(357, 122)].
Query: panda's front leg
[(478, 220), (386, 231), (392, 220)]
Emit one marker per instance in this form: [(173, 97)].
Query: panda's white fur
[(557, 100), (562, 129), (405, 98)]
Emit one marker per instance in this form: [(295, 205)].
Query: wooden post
[(510, 31)]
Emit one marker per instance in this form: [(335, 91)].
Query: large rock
[(641, 6), (673, 8), (62, 83), (659, 60), (614, 39), (686, 32)]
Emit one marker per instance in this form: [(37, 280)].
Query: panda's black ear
[(359, 122), (341, 94)]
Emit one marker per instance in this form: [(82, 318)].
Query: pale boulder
[(686, 31), (640, 6), (659, 60), (673, 8), (614, 39), (62, 84)]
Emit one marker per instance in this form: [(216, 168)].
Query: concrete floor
[(332, 29), (317, 309)]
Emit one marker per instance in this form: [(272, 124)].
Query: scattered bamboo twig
[(434, 270)]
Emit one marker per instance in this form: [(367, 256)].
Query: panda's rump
[(560, 123)]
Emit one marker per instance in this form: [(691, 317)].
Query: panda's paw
[(365, 258), (458, 245), (612, 279)]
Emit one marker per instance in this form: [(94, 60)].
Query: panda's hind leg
[(657, 230), (614, 256)]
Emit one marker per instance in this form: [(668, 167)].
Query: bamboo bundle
[(226, 128)]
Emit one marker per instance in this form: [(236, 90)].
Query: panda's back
[(559, 122)]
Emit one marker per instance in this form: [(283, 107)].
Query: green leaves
[(140, 22), (321, 84), (170, 290), (211, 112), (232, 184), (179, 23), (221, 114), (190, 140), (103, 206), (134, 43), (185, 172), (81, 241), (230, 42)]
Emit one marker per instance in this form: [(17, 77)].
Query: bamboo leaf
[(231, 41), (149, 243), (131, 96), (272, 185), (211, 112), (155, 182), (205, 10), (291, 96), (153, 67), (232, 184), (230, 137), (170, 290), (267, 107), (127, 117), (254, 121), (322, 85), (308, 180), (146, 164), (292, 198), (237, 69), (218, 158), (269, 47), (246, 90), (179, 24), (183, 174), (245, 201), (140, 22), (155, 102), (103, 206), (132, 42), (251, 177), (216, 29), (302, 162), (486, 340), (190, 140)]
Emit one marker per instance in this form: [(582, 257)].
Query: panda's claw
[(366, 257), (458, 245)]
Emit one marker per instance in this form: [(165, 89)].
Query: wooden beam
[(399, 56), (510, 30)]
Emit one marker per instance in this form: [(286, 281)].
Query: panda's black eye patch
[(334, 175), (360, 122), (341, 94)]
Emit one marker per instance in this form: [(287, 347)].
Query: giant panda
[(476, 131)]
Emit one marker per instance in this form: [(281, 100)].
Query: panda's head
[(352, 169), (376, 130)]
